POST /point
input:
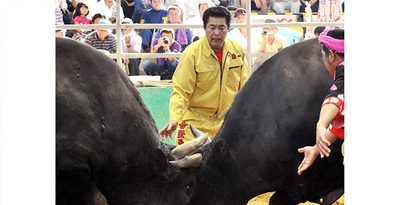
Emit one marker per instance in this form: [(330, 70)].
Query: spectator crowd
[(161, 40)]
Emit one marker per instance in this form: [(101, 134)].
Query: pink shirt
[(81, 20)]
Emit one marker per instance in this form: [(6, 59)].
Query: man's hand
[(169, 128), (310, 154), (127, 39)]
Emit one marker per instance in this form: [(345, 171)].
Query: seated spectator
[(239, 34), (97, 17), (109, 9), (155, 15), (140, 8), (80, 17), (182, 35), (165, 67), (318, 30), (102, 39), (92, 4), (270, 41), (256, 5), (131, 43), (313, 3), (279, 6), (128, 7), (60, 32), (198, 33)]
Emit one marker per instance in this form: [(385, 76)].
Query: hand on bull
[(310, 154), (169, 128)]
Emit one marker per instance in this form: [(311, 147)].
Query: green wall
[(157, 101)]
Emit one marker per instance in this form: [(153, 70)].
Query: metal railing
[(118, 26)]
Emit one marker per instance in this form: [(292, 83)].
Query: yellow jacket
[(203, 90)]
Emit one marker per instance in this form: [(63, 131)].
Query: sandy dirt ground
[(263, 199)]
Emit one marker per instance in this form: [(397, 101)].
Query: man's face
[(126, 31), (270, 31), (101, 33), (202, 8), (240, 18), (327, 60), (173, 16), (96, 21), (157, 4), (109, 1), (216, 30), (167, 35)]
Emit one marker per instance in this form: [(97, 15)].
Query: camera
[(166, 40)]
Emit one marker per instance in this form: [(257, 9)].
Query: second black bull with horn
[(255, 151)]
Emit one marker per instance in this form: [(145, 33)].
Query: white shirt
[(102, 8), (136, 42), (196, 31), (235, 35)]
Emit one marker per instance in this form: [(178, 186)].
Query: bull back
[(275, 113)]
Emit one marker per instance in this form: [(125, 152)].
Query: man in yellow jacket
[(210, 73)]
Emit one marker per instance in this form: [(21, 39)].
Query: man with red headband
[(330, 125)]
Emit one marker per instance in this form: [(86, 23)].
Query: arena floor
[(263, 199)]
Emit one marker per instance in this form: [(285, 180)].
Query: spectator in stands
[(102, 39), (97, 17), (108, 8), (270, 41), (239, 34), (58, 14), (279, 6), (182, 35), (80, 17), (60, 32), (256, 5), (92, 4), (198, 33), (140, 8), (155, 15), (318, 30), (131, 43), (313, 3), (165, 67), (128, 7)]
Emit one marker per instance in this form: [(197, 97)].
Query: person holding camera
[(165, 67), (271, 41)]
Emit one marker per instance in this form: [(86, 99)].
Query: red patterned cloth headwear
[(336, 45)]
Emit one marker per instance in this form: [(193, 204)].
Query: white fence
[(249, 24)]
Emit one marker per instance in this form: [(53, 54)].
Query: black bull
[(108, 149)]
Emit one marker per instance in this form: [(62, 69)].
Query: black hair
[(217, 11), (78, 9), (96, 16), (336, 34), (318, 30)]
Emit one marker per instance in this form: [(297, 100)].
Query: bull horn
[(196, 133), (183, 150), (188, 161)]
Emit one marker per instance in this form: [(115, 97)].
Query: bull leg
[(76, 188), (281, 198)]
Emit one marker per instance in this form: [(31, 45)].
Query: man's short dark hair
[(217, 11), (336, 34)]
